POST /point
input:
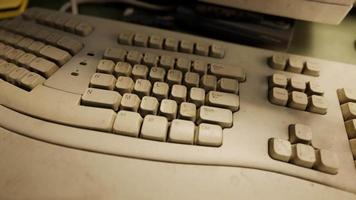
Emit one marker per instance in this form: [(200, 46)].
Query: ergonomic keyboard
[(171, 101)]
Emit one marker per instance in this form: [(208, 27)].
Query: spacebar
[(56, 106)]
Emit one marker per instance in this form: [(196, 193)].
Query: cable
[(73, 4)]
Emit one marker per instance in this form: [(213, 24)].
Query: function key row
[(59, 21), (297, 94), (298, 150), (171, 44), (293, 64), (25, 34), (347, 99), (169, 62)]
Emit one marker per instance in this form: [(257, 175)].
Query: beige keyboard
[(127, 90)]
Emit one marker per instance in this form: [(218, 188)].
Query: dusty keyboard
[(130, 90)]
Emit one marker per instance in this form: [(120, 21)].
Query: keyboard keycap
[(150, 59), (69, 44), (220, 116), (171, 44), (134, 57), (278, 80), (160, 90), (16, 75), (182, 131), (168, 109), (149, 106), (130, 102), (186, 46), (208, 82), (197, 96), (228, 85), (179, 93), (26, 59), (191, 79), (127, 123), (228, 71), (303, 155), (298, 100), (115, 54), (43, 67), (142, 87), (83, 29), (187, 111), (122, 69), (299, 133), (317, 104), (57, 55), (216, 51), (174, 77), (140, 39), (201, 49), (139, 72), (223, 100), (101, 98), (278, 96), (280, 149), (126, 38), (157, 74), (6, 69), (105, 66), (154, 128), (295, 65), (31, 80), (155, 42), (166, 62), (326, 161), (297, 84), (183, 64), (200, 67), (209, 135), (124, 84), (311, 69), (314, 87), (103, 81)]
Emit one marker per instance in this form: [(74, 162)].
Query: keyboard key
[(142, 87), (183, 64), (31, 80), (278, 61), (105, 66), (191, 79), (228, 85), (223, 100), (130, 102), (216, 51), (220, 116), (14, 54), (150, 59), (182, 131), (71, 45), (26, 59), (127, 123), (278, 80), (139, 72), (134, 57), (299, 133), (101, 98), (157, 74), (140, 39), (71, 24), (187, 111), (83, 29), (124, 84), (297, 84), (126, 38), (346, 95), (186, 46), (36, 46), (317, 104), (155, 42), (6, 68), (149, 106), (171, 44), (5, 49), (326, 161), (200, 67), (311, 69), (315, 88), (201, 49), (174, 77), (298, 100), (25, 43), (115, 54), (197, 96), (295, 65), (166, 62), (209, 135), (43, 67), (102, 81), (278, 96), (303, 155), (160, 90), (179, 93), (52, 38), (57, 55), (348, 111), (122, 69), (154, 128), (351, 128), (16, 75), (280, 149), (168, 109), (208, 82), (228, 71)]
